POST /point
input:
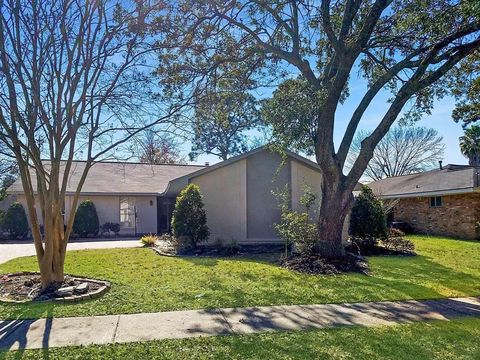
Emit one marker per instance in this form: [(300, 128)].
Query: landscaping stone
[(25, 287), (82, 288), (65, 291)]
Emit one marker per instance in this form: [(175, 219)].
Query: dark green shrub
[(368, 219), (109, 226), (86, 219), (368, 222), (15, 221), (189, 221), (115, 227)]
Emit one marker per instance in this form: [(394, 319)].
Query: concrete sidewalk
[(43, 333), (12, 251)]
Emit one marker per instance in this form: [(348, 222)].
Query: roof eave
[(430, 193)]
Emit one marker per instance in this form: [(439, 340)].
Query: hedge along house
[(443, 201), (237, 193)]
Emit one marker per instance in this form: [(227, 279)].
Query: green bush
[(368, 219), (189, 221), (110, 226), (15, 221), (368, 222), (297, 228), (86, 219)]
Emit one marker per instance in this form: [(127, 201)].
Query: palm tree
[(470, 145)]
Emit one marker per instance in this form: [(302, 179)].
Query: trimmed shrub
[(149, 240), (368, 219), (189, 221), (368, 222), (15, 221), (86, 219)]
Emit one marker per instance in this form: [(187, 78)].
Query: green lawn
[(445, 340), (145, 282)]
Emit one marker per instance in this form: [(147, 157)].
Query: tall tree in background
[(222, 118), (467, 91), (158, 148), (71, 84), (470, 145), (404, 47), (402, 151)]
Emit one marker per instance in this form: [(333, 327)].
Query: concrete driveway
[(12, 251)]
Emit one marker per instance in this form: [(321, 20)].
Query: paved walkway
[(42, 333), (14, 250)]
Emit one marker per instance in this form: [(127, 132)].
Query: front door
[(165, 208)]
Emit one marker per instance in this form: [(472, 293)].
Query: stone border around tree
[(104, 287)]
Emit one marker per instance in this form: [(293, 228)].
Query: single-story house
[(237, 193), (444, 201)]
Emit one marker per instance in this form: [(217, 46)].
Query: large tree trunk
[(337, 200), (52, 245), (52, 262)]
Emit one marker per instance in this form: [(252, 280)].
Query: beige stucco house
[(237, 193)]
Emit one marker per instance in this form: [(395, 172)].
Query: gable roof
[(177, 184), (452, 179), (115, 178)]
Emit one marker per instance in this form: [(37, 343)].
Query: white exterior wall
[(224, 196), (108, 210)]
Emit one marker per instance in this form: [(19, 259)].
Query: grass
[(145, 282), (445, 340)]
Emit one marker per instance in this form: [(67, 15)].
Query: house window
[(435, 201), (127, 212)]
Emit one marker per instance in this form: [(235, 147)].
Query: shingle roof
[(121, 178), (451, 179)]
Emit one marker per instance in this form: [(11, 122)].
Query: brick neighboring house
[(444, 201)]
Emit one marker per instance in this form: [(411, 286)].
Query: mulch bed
[(167, 249), (317, 265), (25, 287)]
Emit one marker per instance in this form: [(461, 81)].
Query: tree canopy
[(403, 151), (407, 49), (221, 120), (470, 145)]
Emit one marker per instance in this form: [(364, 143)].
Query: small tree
[(86, 219), (368, 222), (15, 221), (189, 218)]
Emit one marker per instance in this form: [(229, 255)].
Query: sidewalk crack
[(116, 329)]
